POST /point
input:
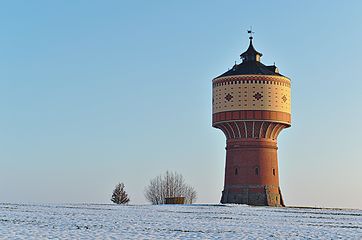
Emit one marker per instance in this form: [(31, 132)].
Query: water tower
[(251, 104)]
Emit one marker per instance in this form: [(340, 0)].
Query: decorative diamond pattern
[(257, 96), (284, 98), (228, 97)]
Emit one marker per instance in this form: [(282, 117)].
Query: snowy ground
[(89, 221)]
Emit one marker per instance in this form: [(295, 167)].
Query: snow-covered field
[(89, 221)]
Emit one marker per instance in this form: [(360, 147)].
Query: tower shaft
[(251, 172)]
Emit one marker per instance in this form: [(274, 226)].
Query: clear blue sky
[(97, 92)]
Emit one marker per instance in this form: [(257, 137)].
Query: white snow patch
[(95, 221)]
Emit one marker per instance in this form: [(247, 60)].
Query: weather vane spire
[(250, 32)]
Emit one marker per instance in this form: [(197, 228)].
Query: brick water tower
[(251, 105)]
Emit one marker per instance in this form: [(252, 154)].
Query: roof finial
[(251, 54), (251, 33)]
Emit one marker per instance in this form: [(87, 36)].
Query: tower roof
[(251, 64)]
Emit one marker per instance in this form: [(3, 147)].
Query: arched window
[(257, 171), (236, 171), (273, 171)]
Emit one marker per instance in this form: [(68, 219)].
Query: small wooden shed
[(175, 200)]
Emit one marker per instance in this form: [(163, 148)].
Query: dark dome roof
[(251, 64), (251, 67)]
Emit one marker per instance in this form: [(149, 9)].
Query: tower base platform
[(253, 195)]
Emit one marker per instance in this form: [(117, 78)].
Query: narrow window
[(236, 171), (273, 171), (257, 171)]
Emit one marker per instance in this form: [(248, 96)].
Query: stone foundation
[(257, 196)]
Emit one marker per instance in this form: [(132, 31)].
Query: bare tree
[(171, 184), (119, 195)]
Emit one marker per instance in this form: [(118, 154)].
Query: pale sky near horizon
[(98, 92)]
